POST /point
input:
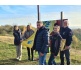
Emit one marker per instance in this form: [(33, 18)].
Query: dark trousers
[(51, 60), (67, 55), (30, 51)]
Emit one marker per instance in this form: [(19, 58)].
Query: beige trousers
[(19, 51)]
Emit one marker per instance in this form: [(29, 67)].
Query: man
[(66, 34), (41, 42)]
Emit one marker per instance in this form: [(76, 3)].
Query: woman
[(17, 42), (27, 34), (55, 39)]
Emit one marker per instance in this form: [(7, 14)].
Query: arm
[(45, 41), (58, 47), (24, 36), (20, 34), (69, 39), (14, 34)]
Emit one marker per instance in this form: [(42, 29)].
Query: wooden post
[(61, 18), (38, 12), (61, 23)]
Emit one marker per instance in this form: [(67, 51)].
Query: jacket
[(67, 34), (41, 40), (55, 43), (17, 37), (27, 34)]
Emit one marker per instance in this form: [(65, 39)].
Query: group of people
[(43, 41)]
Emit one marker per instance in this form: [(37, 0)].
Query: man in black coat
[(67, 34), (41, 42)]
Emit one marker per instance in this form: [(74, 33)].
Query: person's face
[(16, 28), (39, 25), (65, 24), (28, 27), (56, 29)]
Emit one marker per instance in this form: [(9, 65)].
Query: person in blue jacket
[(17, 42), (67, 34), (41, 42)]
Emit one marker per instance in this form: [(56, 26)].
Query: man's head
[(28, 27), (56, 29), (65, 23), (39, 24)]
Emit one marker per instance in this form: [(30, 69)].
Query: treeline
[(77, 33), (8, 29)]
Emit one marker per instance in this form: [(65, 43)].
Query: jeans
[(42, 59), (67, 55), (51, 60)]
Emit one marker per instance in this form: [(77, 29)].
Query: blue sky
[(23, 14)]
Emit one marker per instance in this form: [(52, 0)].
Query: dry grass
[(7, 39)]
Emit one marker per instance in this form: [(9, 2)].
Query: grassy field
[(8, 54)]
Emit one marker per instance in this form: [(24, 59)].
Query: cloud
[(8, 9), (18, 9)]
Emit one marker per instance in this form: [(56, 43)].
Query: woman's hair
[(56, 24), (14, 27), (28, 26)]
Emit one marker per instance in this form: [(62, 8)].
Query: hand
[(67, 47), (21, 40), (54, 56), (41, 54)]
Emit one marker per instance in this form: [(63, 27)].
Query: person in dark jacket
[(67, 34), (27, 34), (41, 42), (55, 40), (17, 42)]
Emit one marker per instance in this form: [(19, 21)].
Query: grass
[(8, 54)]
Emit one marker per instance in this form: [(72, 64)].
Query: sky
[(25, 14)]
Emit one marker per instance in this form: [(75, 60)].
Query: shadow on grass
[(16, 62)]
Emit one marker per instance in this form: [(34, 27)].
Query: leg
[(67, 55), (20, 51), (42, 59), (28, 49), (45, 62), (17, 52), (62, 57), (51, 60), (32, 53)]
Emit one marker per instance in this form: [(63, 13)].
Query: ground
[(8, 54)]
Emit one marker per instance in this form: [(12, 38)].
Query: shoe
[(17, 58), (32, 59), (20, 59), (28, 58)]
